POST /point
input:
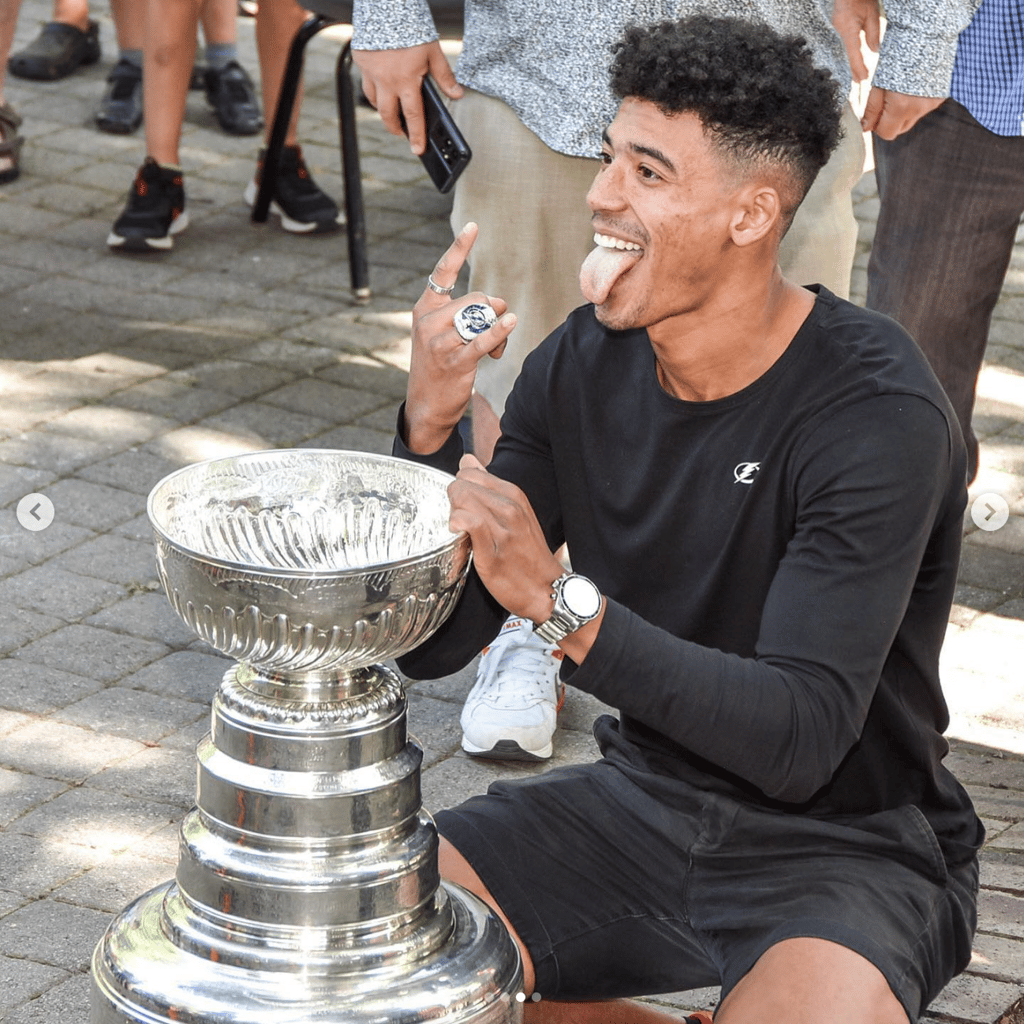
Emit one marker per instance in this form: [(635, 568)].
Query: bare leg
[(9, 10), (276, 25), (167, 67), (808, 981), (72, 12), (220, 21), (800, 981), (129, 22), (612, 1011)]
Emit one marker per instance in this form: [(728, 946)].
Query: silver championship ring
[(474, 319)]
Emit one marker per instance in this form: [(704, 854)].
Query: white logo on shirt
[(745, 472)]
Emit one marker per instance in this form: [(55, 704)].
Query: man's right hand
[(392, 80), (442, 367), (850, 18)]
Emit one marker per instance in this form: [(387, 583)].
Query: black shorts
[(615, 893)]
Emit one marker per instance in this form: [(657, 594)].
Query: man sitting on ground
[(762, 487)]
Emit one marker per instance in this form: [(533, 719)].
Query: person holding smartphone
[(531, 95)]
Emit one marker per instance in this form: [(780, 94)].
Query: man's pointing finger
[(441, 280)]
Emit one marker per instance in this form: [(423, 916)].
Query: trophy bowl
[(309, 562), (308, 886)]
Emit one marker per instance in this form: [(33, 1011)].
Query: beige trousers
[(530, 203)]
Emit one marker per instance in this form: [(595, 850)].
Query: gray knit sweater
[(548, 59)]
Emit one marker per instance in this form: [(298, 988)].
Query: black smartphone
[(447, 153)]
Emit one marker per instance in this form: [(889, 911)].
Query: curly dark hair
[(758, 94)]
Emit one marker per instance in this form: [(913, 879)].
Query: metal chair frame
[(354, 210)]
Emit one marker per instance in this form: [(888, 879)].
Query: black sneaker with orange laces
[(155, 210), (304, 208)]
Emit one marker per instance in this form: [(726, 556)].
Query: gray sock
[(219, 55)]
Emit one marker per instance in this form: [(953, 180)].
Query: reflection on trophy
[(307, 886)]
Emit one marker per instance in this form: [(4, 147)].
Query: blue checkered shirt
[(988, 76)]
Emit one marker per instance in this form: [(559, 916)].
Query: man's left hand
[(509, 550), (889, 114)]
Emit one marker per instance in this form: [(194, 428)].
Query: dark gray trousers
[(952, 195)]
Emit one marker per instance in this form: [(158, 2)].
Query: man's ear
[(757, 213)]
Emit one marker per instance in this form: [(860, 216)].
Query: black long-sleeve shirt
[(779, 564)]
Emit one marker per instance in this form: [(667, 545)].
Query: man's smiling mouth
[(611, 242)]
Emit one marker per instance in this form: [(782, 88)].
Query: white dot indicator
[(520, 997)]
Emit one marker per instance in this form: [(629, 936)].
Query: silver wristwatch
[(577, 601)]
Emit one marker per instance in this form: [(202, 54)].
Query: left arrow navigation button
[(35, 512)]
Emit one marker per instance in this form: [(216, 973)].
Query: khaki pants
[(530, 203)]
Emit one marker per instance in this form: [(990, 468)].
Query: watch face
[(581, 597)]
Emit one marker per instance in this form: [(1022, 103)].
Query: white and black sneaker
[(304, 208), (155, 210), (511, 712)]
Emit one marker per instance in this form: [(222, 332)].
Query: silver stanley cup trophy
[(307, 886)]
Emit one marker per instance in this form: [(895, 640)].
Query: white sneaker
[(511, 711)]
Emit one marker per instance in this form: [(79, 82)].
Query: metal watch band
[(563, 620)]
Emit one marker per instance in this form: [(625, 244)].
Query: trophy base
[(139, 975)]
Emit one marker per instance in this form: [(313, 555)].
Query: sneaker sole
[(508, 750), (239, 130), (251, 128), (112, 126), (140, 244), (35, 73), (296, 227)]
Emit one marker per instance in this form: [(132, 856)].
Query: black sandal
[(10, 142)]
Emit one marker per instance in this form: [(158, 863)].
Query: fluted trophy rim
[(456, 539)]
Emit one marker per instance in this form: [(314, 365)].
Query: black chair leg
[(354, 213), (283, 115)]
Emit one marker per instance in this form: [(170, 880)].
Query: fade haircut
[(762, 102)]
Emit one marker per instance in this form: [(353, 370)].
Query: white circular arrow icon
[(35, 512)]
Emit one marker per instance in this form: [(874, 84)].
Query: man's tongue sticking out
[(603, 267)]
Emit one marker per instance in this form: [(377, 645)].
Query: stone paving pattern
[(115, 370)]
